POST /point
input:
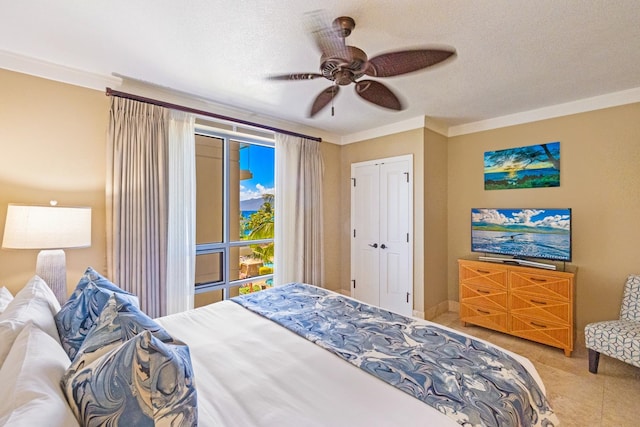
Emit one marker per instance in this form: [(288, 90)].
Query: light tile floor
[(611, 398)]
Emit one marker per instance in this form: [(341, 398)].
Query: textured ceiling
[(512, 55)]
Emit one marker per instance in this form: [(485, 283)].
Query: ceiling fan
[(345, 64)]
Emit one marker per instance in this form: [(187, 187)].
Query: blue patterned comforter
[(474, 383)]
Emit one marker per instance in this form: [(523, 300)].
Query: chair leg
[(594, 359)]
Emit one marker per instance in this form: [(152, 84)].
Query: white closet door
[(381, 226), (395, 262), (365, 193)]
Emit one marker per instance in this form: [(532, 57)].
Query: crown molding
[(402, 126), (56, 72), (600, 102)]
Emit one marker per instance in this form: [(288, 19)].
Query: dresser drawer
[(542, 331), (548, 286), (483, 316), (478, 275), (538, 307), (481, 296)]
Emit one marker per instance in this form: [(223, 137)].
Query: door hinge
[(354, 233), (354, 181), (407, 237), (407, 174), (353, 282)]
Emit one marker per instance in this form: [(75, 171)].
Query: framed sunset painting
[(523, 167)]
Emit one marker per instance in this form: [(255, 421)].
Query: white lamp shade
[(47, 227)]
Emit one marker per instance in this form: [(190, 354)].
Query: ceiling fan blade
[(295, 76), (327, 37), (405, 61), (379, 94), (323, 99)]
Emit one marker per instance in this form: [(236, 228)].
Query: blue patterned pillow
[(118, 322), (80, 312), (144, 382), (92, 276)]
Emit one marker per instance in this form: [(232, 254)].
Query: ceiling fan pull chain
[(333, 95)]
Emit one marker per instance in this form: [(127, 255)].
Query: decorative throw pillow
[(31, 304), (80, 312), (30, 394), (144, 382), (92, 276), (5, 298), (118, 322)]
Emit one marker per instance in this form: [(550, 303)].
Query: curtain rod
[(111, 92)]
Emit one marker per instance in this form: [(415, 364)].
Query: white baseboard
[(418, 314)]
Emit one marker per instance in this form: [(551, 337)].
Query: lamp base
[(51, 267)]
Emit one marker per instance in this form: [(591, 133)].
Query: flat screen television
[(522, 233)]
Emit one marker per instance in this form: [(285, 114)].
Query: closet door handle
[(375, 245), (383, 246)]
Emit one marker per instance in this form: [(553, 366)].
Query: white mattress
[(249, 371)]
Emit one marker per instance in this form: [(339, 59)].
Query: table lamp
[(51, 229)]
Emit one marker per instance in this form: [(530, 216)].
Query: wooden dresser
[(527, 302)]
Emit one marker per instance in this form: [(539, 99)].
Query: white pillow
[(30, 394), (32, 303), (37, 286), (5, 298)]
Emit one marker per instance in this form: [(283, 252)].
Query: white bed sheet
[(249, 371)]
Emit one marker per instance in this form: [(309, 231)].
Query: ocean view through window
[(234, 215)]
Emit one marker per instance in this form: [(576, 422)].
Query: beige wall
[(52, 146), (52, 141), (435, 224), (411, 142), (599, 180)]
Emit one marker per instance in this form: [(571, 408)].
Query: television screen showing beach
[(534, 233)]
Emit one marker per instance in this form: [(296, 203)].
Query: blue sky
[(259, 160), (555, 218)]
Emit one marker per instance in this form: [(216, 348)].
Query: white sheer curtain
[(181, 246), (298, 225), (150, 196)]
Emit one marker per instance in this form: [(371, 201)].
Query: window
[(234, 215)]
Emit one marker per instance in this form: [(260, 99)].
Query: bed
[(289, 356), (252, 371)]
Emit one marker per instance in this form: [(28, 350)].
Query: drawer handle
[(538, 302), (538, 325), (483, 311), (483, 271), (482, 291), (536, 279)]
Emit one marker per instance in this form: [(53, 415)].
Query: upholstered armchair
[(617, 338)]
